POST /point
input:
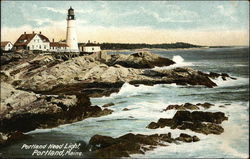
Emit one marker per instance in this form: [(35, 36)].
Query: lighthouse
[(71, 38)]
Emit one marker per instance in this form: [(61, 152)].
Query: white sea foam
[(240, 65), (128, 90), (231, 82), (179, 62)]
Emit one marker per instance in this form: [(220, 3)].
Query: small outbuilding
[(89, 47), (6, 45)]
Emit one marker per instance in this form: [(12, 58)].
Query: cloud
[(64, 11), (227, 12), (174, 14), (41, 21), (55, 10)]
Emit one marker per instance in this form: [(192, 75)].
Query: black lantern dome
[(71, 14)]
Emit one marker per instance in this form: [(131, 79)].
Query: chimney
[(53, 40), (40, 32), (24, 32), (33, 32), (88, 41)]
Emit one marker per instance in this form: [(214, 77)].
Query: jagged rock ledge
[(98, 76), (25, 111), (197, 121), (123, 146), (189, 106)]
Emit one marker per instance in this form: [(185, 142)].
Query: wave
[(240, 65), (179, 62), (128, 90), (210, 146), (230, 82)]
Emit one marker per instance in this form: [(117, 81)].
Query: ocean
[(145, 104)]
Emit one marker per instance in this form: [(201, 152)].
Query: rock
[(182, 107), (123, 146), (205, 105), (195, 139), (201, 122), (153, 125), (98, 142), (139, 60), (185, 137), (224, 76), (108, 104), (125, 109), (214, 75), (25, 111), (199, 116), (188, 106), (6, 139)]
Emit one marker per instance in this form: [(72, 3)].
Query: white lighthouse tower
[(71, 38)]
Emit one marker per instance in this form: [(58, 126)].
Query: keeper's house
[(6, 46), (89, 47), (32, 41)]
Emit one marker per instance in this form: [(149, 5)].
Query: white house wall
[(59, 49), (37, 44), (8, 47)]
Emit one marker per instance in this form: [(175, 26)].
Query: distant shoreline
[(171, 49), (156, 49)]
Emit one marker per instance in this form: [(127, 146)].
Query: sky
[(196, 22)]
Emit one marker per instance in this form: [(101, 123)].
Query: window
[(44, 46), (37, 40), (9, 45), (32, 46), (39, 46), (93, 48)]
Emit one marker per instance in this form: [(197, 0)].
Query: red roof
[(24, 39), (4, 43), (58, 44)]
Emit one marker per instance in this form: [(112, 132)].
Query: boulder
[(198, 121), (187, 138), (108, 104), (139, 60)]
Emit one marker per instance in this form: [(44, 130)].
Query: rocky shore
[(40, 91), (124, 146), (98, 75)]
